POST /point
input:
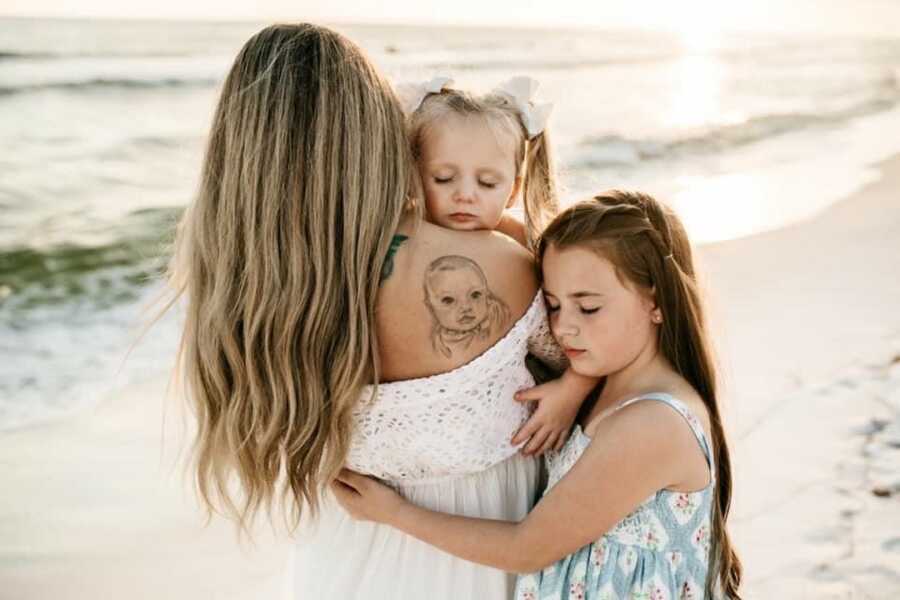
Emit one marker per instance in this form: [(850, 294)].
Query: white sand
[(808, 324), (97, 508), (809, 327)]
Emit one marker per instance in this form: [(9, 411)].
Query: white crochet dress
[(443, 442)]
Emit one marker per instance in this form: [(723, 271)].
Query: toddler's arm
[(514, 228)]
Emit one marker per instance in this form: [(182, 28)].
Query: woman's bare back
[(447, 297)]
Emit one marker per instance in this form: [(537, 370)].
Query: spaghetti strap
[(692, 421)]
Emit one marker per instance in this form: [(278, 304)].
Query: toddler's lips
[(462, 217), (573, 352)]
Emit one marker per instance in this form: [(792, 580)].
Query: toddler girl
[(477, 154)]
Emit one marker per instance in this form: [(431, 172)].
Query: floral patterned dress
[(658, 552)]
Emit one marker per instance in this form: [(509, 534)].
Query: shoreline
[(114, 384), (809, 343)]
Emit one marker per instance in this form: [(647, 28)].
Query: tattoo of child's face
[(462, 306)]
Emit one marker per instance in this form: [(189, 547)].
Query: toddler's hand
[(550, 424)]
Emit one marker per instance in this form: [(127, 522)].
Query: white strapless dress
[(443, 443)]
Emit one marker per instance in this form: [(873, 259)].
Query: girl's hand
[(550, 425), (365, 498)]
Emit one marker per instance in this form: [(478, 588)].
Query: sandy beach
[(809, 340), (808, 331)]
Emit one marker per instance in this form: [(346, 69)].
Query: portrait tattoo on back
[(462, 306)]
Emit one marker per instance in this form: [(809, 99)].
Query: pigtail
[(539, 192)]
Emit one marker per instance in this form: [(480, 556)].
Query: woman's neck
[(408, 224)]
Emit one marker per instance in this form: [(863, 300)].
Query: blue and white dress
[(658, 552)]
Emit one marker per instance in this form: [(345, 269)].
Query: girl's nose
[(563, 327), (565, 332)]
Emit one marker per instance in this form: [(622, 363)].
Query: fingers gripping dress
[(443, 443)]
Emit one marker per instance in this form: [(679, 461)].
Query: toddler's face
[(469, 173), (601, 322)]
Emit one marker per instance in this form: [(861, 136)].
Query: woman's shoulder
[(428, 239), (506, 266)]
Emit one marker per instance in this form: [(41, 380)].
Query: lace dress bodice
[(454, 423), (443, 443)]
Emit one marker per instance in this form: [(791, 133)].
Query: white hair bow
[(413, 94), (520, 91)]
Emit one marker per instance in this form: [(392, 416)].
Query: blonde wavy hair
[(306, 176), (534, 160)]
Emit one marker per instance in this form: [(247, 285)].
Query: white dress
[(443, 443)]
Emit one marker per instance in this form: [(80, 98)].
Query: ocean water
[(102, 126)]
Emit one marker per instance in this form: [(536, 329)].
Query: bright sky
[(879, 17)]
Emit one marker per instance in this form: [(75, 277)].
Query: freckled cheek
[(600, 359), (598, 339), (629, 341), (609, 340)]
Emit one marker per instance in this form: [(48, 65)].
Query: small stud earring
[(657, 318)]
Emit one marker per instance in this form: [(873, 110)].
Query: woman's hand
[(366, 498)]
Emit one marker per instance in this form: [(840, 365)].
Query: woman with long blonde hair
[(308, 341)]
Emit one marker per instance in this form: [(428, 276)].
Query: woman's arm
[(636, 452)]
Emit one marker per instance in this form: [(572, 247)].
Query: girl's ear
[(514, 193), (652, 307)]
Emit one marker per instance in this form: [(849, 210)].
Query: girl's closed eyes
[(586, 309)]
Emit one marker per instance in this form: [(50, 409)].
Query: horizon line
[(338, 22)]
